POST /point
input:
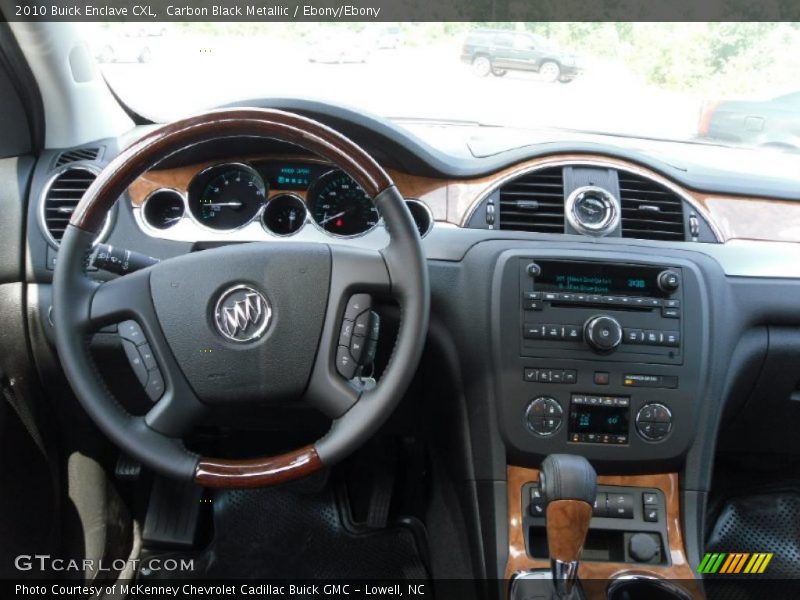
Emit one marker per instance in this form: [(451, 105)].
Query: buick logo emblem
[(242, 314)]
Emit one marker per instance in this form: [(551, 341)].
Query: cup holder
[(638, 587)]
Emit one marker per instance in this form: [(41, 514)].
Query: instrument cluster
[(282, 197)]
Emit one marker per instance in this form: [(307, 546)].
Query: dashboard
[(588, 300)]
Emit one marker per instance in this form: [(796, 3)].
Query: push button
[(346, 333), (147, 356), (357, 304), (530, 374), (357, 343), (599, 508), (155, 385), (135, 359), (361, 325), (651, 514), (345, 364), (130, 330), (649, 498), (620, 506)]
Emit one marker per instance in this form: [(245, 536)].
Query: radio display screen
[(598, 419), (597, 278)]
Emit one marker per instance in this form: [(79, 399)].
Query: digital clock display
[(291, 176), (597, 278)]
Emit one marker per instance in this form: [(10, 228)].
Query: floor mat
[(276, 533), (768, 522)]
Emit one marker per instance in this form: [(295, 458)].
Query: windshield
[(725, 83)]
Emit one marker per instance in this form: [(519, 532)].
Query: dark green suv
[(498, 51)]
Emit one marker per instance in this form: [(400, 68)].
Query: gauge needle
[(336, 216), (234, 204)]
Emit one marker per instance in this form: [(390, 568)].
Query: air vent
[(77, 154), (61, 196), (650, 211), (534, 202)]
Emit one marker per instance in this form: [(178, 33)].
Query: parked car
[(772, 123), (498, 51)]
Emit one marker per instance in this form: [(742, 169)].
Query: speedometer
[(339, 205), (226, 196)]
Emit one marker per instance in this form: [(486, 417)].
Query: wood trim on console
[(595, 575)]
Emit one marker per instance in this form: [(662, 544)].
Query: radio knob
[(603, 333), (668, 281)]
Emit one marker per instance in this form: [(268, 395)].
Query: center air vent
[(61, 196), (650, 211), (534, 202)]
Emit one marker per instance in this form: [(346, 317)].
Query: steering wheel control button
[(147, 356), (361, 326), (357, 304), (544, 416), (603, 333), (136, 361), (345, 363), (357, 343), (654, 422), (155, 385), (346, 333), (130, 330)]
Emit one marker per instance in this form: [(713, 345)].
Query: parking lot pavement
[(187, 76)]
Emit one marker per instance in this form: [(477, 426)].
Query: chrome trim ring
[(277, 197), (379, 222), (143, 207), (238, 165), (427, 210), (611, 207)]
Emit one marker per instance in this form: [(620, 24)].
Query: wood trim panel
[(595, 575), (258, 472), (452, 200)]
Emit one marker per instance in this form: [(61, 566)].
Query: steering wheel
[(291, 298)]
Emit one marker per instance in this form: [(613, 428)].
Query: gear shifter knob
[(569, 486)]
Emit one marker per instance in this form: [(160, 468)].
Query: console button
[(537, 510), (570, 376), (601, 377), (633, 336), (660, 414), (653, 422), (651, 514), (545, 375), (670, 313), (652, 337), (549, 422), (357, 304), (660, 430), (572, 333), (529, 374), (533, 331), (552, 331), (649, 498), (672, 338), (599, 507), (550, 296), (532, 305), (556, 376), (531, 295), (620, 506), (669, 303)]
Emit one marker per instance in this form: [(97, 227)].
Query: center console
[(598, 355)]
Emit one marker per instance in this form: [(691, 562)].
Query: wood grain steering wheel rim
[(81, 305)]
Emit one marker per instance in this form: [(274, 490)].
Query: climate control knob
[(602, 333)]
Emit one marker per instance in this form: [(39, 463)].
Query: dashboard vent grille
[(534, 202), (61, 198), (77, 154), (650, 211)]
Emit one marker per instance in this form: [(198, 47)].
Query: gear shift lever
[(569, 486)]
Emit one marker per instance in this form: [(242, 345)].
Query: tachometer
[(339, 205), (226, 196)]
